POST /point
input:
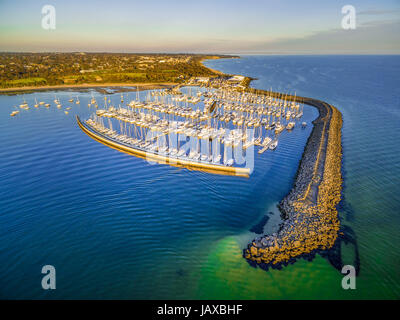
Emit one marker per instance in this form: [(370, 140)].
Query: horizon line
[(210, 53)]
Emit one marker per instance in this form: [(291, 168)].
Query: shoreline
[(214, 70), (140, 85)]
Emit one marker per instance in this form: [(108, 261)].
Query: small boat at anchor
[(273, 145)]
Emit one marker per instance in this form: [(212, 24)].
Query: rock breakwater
[(309, 210)]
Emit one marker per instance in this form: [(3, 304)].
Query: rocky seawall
[(309, 211)]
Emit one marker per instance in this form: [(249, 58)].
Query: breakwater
[(309, 210), (161, 159)]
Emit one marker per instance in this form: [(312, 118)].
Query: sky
[(203, 26)]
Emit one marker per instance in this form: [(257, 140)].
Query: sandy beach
[(214, 58)]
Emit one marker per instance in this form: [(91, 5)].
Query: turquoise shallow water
[(115, 226)]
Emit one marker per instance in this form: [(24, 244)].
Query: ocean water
[(115, 226), (366, 91)]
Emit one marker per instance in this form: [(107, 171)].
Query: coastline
[(140, 85), (214, 58)]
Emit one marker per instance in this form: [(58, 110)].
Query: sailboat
[(273, 144), (14, 113), (209, 129), (93, 101), (290, 125), (24, 105)]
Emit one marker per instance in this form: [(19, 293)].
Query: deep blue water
[(115, 226)]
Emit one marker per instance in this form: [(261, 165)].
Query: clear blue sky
[(225, 26)]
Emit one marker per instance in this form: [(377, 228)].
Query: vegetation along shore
[(45, 70)]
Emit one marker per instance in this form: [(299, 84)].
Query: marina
[(205, 128), (194, 245), (200, 151), (210, 130), (65, 150)]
